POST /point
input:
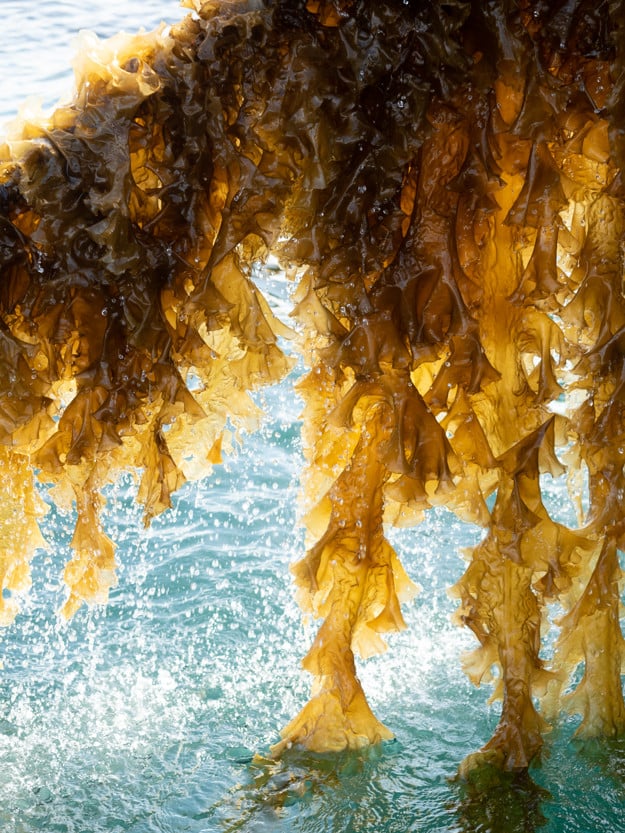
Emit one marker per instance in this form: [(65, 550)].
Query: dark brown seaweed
[(444, 180)]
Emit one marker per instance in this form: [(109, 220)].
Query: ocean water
[(144, 715)]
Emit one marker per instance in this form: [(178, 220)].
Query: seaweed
[(444, 183)]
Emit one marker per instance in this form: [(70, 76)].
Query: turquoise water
[(144, 716)]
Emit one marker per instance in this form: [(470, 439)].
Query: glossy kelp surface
[(443, 181)]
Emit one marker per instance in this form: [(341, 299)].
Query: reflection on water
[(357, 791), (351, 792), (500, 802), (608, 756), (145, 717)]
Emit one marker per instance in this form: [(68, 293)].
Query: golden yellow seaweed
[(445, 181)]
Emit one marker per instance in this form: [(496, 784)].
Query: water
[(144, 716)]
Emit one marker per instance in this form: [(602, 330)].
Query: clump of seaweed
[(445, 181)]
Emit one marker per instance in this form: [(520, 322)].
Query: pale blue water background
[(144, 716)]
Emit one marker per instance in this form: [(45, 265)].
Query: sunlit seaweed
[(443, 181)]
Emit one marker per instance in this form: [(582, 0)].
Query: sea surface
[(144, 716)]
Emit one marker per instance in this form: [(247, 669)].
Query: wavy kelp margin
[(444, 180)]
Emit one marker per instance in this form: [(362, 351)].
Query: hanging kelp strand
[(444, 180)]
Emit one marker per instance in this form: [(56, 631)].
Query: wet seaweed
[(443, 182)]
